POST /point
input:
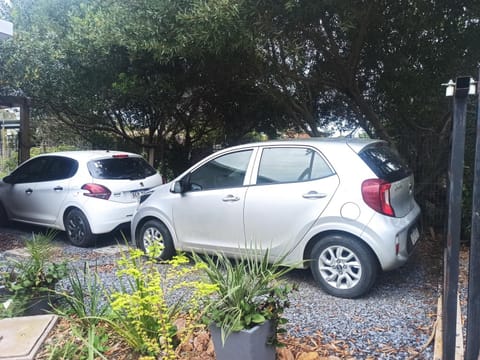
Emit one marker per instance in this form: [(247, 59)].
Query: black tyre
[(3, 216), (78, 229), (344, 266), (155, 239)]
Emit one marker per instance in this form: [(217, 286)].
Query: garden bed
[(305, 340)]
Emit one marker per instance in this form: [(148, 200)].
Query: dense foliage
[(175, 78)]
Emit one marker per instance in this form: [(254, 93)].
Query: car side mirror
[(181, 186), (177, 187)]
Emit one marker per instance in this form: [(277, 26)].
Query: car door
[(49, 194), (293, 185), (18, 187), (37, 189), (209, 216)]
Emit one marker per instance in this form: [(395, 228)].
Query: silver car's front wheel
[(155, 240), (343, 266)]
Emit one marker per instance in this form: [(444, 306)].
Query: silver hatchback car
[(343, 207)]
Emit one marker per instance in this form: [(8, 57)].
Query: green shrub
[(38, 272), (249, 291), (141, 312)]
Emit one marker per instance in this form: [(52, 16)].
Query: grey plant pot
[(39, 305), (27, 306), (248, 344)]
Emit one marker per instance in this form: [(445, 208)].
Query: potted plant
[(245, 313), (29, 283)]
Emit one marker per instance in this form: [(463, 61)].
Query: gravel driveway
[(393, 321)]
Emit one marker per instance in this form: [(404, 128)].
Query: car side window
[(226, 171), (60, 168), (291, 164), (31, 171)]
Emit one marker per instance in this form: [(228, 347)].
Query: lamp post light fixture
[(472, 89), (450, 85), (463, 85)]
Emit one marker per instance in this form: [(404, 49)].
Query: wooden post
[(472, 351), (452, 247), (24, 138), (24, 134)]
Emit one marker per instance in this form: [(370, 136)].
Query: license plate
[(136, 194), (414, 235)]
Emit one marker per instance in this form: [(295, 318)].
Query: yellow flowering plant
[(143, 316)]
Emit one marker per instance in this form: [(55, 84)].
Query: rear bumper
[(105, 216), (394, 239)]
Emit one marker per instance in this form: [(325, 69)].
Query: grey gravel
[(393, 321)]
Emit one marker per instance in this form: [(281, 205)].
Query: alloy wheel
[(153, 240), (340, 267)]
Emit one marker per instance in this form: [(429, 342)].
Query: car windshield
[(122, 168)]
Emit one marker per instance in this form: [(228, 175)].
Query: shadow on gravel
[(422, 271), (424, 265), (393, 321), (16, 232)]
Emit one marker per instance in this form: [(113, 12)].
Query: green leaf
[(258, 318)]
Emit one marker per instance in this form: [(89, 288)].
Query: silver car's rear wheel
[(344, 266), (155, 240)]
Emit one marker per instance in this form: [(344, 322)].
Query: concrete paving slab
[(21, 337), (111, 249)]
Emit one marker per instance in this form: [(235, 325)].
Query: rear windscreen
[(127, 168), (385, 162)]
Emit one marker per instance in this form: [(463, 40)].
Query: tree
[(118, 68), (374, 64), (179, 76)]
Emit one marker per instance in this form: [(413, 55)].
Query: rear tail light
[(376, 193), (97, 191)]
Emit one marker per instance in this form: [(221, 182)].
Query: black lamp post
[(452, 246), (472, 351), (460, 89)]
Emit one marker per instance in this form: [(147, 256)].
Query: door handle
[(314, 195), (58, 188), (230, 198), (28, 191)]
